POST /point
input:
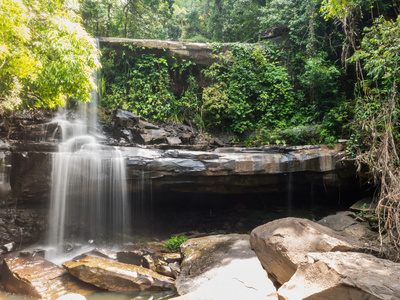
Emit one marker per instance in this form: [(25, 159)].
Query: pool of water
[(109, 296), (136, 296)]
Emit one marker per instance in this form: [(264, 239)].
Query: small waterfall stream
[(89, 195)]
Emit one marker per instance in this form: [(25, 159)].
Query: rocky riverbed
[(228, 200), (288, 258)]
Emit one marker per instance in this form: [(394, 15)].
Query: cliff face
[(199, 53), (188, 169)]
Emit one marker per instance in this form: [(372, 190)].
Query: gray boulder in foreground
[(343, 275), (222, 267), (282, 245)]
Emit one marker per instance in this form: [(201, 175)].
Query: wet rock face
[(23, 226), (27, 125), (128, 129), (117, 277), (301, 171), (5, 166), (30, 176), (35, 277)]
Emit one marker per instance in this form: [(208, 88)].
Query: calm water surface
[(110, 296)]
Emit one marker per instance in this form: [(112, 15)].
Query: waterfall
[(4, 171), (89, 194), (289, 184)]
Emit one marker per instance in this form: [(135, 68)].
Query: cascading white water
[(89, 195), (88, 199), (4, 171)]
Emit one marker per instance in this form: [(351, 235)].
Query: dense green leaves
[(321, 84), (142, 83), (133, 18), (45, 54), (341, 8), (247, 91), (380, 52), (376, 136)]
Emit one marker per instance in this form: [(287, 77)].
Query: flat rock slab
[(117, 277), (38, 278), (282, 245), (343, 275), (222, 267)]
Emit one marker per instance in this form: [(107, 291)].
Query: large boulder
[(125, 118), (117, 277), (40, 279), (346, 224), (154, 136), (282, 245), (222, 267), (343, 275)]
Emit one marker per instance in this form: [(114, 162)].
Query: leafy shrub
[(299, 135), (175, 242), (142, 83), (335, 123), (321, 84), (246, 91)]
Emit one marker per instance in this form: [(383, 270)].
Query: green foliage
[(380, 53), (376, 122), (220, 20), (311, 54), (321, 84), (299, 135), (175, 242), (247, 91), (377, 109), (142, 83), (341, 8), (133, 19), (235, 21), (45, 55), (335, 123)]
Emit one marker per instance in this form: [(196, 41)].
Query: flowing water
[(4, 171), (89, 196), (88, 192)]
